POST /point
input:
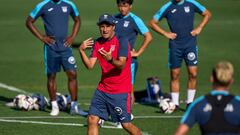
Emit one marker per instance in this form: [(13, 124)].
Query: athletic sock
[(73, 104), (190, 95), (54, 104), (175, 98)]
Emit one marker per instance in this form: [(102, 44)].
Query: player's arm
[(88, 62), (145, 44), (206, 16), (30, 25), (76, 27), (182, 129), (153, 24)]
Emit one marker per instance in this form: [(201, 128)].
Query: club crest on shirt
[(126, 23), (112, 48), (187, 9), (64, 9)]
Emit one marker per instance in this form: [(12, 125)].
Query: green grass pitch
[(22, 66)]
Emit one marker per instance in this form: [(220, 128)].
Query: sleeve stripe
[(160, 12), (186, 114), (198, 5), (35, 11), (237, 98), (140, 24), (76, 13)]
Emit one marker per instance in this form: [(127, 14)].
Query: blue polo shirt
[(55, 17), (130, 26), (180, 18)]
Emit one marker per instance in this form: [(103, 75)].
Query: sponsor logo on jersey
[(50, 9), (64, 9), (174, 10), (207, 108), (126, 23), (71, 60), (229, 108), (187, 9)]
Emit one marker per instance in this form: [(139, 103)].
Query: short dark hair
[(130, 2)]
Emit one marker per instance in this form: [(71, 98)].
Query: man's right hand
[(49, 40), (170, 35)]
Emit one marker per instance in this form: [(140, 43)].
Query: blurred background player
[(182, 41), (113, 94), (129, 25), (57, 46), (217, 113)]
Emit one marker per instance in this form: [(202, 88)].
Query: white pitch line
[(160, 117), (42, 117), (70, 117), (51, 123), (14, 89)]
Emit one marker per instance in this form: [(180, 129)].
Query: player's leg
[(191, 59), (175, 60), (52, 66), (131, 129), (98, 109), (69, 66), (192, 82), (174, 85), (120, 111), (72, 84), (134, 67), (93, 125)]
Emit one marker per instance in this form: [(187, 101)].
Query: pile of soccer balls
[(38, 102), (166, 106)]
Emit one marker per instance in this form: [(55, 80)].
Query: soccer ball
[(167, 106), (63, 101), (40, 102), (23, 102)]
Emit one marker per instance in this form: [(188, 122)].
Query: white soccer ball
[(23, 102), (167, 106)]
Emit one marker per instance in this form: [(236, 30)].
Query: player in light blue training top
[(217, 113), (182, 41), (129, 25), (57, 45)]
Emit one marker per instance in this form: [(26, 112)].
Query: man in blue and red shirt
[(57, 46), (113, 94)]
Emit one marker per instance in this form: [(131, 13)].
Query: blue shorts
[(54, 60), (134, 67), (118, 106), (176, 55)]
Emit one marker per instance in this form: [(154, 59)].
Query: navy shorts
[(54, 60), (118, 106), (188, 54)]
